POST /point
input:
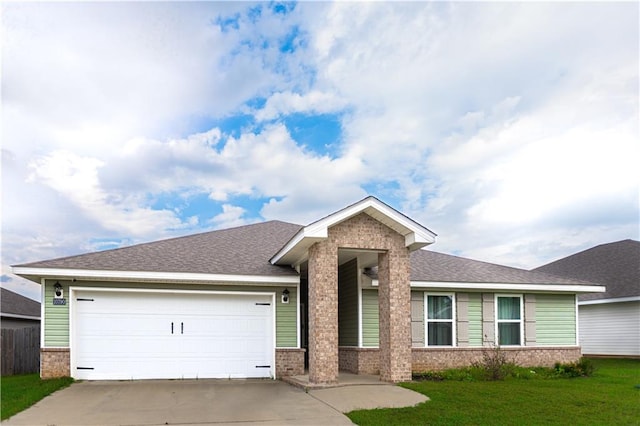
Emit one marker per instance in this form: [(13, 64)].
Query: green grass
[(21, 392), (609, 397)]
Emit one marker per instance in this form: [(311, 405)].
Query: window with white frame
[(509, 320), (439, 318)]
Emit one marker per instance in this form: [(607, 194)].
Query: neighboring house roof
[(616, 265), (243, 250), (15, 305)]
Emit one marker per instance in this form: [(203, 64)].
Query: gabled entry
[(367, 225)]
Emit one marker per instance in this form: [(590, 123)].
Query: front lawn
[(610, 396), (21, 392)]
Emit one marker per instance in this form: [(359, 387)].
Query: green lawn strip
[(608, 397), (21, 392)]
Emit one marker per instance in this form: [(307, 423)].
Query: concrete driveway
[(202, 402)]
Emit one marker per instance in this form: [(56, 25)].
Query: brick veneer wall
[(441, 359), (323, 313), (366, 360), (289, 362), (55, 362), (360, 232), (360, 360)]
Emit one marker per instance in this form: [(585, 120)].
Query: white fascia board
[(287, 248), (305, 235), (416, 237), (152, 276), (558, 288), (416, 241), (614, 300)]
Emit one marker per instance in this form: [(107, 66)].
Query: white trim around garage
[(72, 313)]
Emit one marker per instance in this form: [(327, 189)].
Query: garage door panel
[(125, 335)]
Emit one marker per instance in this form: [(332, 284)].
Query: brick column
[(323, 313), (394, 298)]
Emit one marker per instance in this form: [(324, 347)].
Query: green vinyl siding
[(475, 319), (286, 319), (56, 323), (348, 304), (555, 319), (370, 318)]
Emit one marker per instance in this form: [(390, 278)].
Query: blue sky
[(510, 129)]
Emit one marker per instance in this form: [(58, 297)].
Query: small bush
[(494, 364), (430, 376), (582, 368)]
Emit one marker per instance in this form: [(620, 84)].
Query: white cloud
[(76, 178), (314, 102), (230, 217), (510, 129), (492, 130)]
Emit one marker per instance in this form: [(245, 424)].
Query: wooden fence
[(20, 350)]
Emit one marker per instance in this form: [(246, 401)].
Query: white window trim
[(453, 321), (498, 321)]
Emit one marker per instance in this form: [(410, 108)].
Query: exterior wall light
[(285, 296), (58, 293)]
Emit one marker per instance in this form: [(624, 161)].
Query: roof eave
[(295, 251), (36, 274), (549, 287)]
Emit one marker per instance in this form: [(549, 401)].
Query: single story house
[(352, 291), (609, 321)]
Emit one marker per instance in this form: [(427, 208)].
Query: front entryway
[(126, 335)]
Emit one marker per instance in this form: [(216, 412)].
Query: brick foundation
[(360, 360), (289, 362), (55, 362), (425, 359), (367, 360)]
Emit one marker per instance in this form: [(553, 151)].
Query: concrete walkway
[(210, 402), (358, 392)]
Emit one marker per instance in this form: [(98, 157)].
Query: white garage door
[(148, 335)]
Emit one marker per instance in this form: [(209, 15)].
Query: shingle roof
[(244, 250), (616, 265), (431, 266), (16, 304)]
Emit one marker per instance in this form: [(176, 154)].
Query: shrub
[(582, 368), (494, 364)]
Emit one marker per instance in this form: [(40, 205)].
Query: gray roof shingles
[(246, 250), (243, 250), (16, 304), (431, 266), (616, 265)]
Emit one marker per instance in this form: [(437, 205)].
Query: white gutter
[(561, 288), (17, 316), (615, 300)]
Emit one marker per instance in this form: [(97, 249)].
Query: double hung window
[(440, 316), (509, 320)]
